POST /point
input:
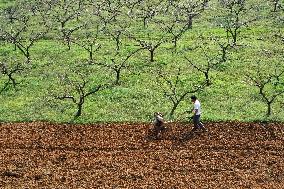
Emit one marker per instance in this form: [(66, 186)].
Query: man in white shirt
[(196, 114)]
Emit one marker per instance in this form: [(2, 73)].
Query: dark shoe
[(205, 130), (193, 130)]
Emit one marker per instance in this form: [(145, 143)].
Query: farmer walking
[(196, 114)]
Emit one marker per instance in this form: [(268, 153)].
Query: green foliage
[(138, 94)]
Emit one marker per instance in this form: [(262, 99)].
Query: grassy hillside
[(55, 71)]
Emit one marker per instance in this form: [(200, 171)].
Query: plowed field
[(229, 155)]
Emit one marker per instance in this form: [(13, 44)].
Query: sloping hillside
[(230, 155)]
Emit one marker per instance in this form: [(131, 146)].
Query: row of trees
[(133, 27), (148, 23)]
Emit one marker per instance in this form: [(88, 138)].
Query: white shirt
[(197, 107), (158, 118)]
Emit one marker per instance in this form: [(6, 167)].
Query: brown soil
[(230, 155)]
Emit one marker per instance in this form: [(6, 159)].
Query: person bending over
[(158, 123)]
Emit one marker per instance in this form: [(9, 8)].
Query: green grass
[(230, 97)]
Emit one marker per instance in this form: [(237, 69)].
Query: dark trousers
[(197, 123), (158, 129)]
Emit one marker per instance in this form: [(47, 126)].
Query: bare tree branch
[(173, 90), (262, 82)]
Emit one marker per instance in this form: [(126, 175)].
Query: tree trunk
[(28, 55), (234, 35), (144, 22), (152, 55), (79, 111), (189, 22), (268, 109), (207, 79), (117, 77), (173, 110), (13, 80), (224, 53), (117, 43), (80, 106), (91, 53), (275, 5)]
